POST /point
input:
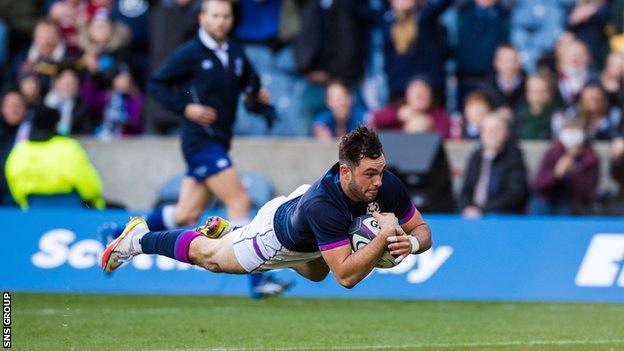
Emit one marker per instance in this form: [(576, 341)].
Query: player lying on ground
[(306, 231)]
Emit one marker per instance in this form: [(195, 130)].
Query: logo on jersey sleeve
[(372, 207)]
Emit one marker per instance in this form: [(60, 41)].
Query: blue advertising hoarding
[(496, 258)]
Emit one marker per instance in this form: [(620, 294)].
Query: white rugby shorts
[(256, 247)]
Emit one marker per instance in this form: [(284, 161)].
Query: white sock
[(168, 216), (135, 243)]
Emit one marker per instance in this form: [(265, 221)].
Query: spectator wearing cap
[(416, 114), (50, 164), (341, 116)]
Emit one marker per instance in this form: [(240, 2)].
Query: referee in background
[(203, 80)]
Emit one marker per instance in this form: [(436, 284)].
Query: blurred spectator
[(4, 49), (45, 57), (476, 107), (65, 98), (482, 26), (506, 86), (50, 164), (267, 29), (533, 117), (341, 116), (415, 44), (417, 115), (12, 130), (103, 42), (70, 16), (614, 204), (535, 26), (30, 88), (134, 14), (573, 71), (21, 17), (601, 122), (549, 60), (495, 179), (568, 174), (258, 22), (122, 112), (329, 45), (171, 23), (611, 78), (587, 20)]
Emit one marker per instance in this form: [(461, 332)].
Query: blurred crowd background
[(494, 71)]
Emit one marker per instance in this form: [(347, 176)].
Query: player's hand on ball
[(386, 220), (399, 246)]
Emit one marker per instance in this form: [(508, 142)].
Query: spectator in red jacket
[(568, 174)]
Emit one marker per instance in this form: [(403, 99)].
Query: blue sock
[(173, 243), (155, 221)]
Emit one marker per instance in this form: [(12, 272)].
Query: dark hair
[(358, 144)]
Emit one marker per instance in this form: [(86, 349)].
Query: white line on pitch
[(412, 346)]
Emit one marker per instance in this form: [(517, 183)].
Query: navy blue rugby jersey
[(319, 220)]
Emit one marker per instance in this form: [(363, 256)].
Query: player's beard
[(359, 193)]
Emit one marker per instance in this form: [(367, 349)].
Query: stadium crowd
[(495, 70)]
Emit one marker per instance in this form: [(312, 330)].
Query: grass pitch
[(99, 322)]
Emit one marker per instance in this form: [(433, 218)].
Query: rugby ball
[(364, 229)]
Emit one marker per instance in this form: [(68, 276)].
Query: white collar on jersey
[(210, 43)]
